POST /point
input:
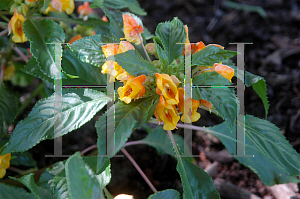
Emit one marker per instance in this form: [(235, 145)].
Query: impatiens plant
[(85, 62)]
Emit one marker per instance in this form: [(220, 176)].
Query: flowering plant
[(162, 75)]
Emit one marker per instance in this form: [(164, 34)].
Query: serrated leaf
[(89, 49), (257, 82), (104, 177), (78, 107), (86, 73), (268, 173), (81, 181), (173, 35), (8, 110), (24, 159), (132, 5), (211, 55), (10, 192), (39, 33), (159, 140), (168, 193), (223, 99), (161, 55), (127, 118), (32, 68), (196, 182), (29, 182), (134, 64), (4, 4)]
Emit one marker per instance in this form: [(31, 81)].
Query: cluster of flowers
[(4, 164), (172, 97)]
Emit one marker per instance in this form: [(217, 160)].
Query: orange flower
[(104, 18), (166, 113), (224, 70), (133, 89), (75, 38), (61, 5), (4, 164), (167, 86), (84, 9), (125, 46), (206, 104), (197, 47), (186, 103), (15, 25), (131, 29), (110, 49)]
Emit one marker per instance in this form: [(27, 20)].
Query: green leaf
[(159, 140), (89, 49), (32, 68), (127, 118), (104, 177), (40, 34), (46, 3), (168, 193), (134, 64), (86, 73), (132, 5), (257, 82), (20, 78), (81, 181), (211, 55), (171, 33), (161, 55), (196, 182), (78, 107), (4, 4), (268, 173), (24, 159), (10, 192), (29, 182), (223, 99), (8, 110)]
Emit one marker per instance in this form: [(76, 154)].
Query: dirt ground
[(274, 55)]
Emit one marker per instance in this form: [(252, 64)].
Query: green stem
[(37, 90), (4, 17), (141, 40)]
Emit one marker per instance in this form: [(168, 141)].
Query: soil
[(274, 55)]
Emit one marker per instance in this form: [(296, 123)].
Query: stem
[(4, 32), (37, 90), (20, 58), (3, 26), (88, 149), (2, 72), (57, 19), (21, 54), (141, 39), (134, 143), (4, 17), (139, 169)]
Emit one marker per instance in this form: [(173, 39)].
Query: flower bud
[(151, 48), (156, 63), (30, 3), (23, 9), (13, 7), (18, 1)]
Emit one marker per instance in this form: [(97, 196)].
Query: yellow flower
[(4, 164), (16, 26), (166, 113), (133, 89), (167, 86), (9, 71), (131, 29), (186, 103), (224, 70), (61, 5)]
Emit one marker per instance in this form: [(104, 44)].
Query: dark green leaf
[(168, 193), (20, 78), (24, 159), (133, 5), (10, 192), (134, 64), (211, 55), (89, 49), (46, 3), (32, 68), (40, 34), (8, 110), (4, 4), (223, 99), (78, 107), (173, 35), (86, 73), (127, 118), (159, 140), (268, 173), (81, 181), (161, 55)]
